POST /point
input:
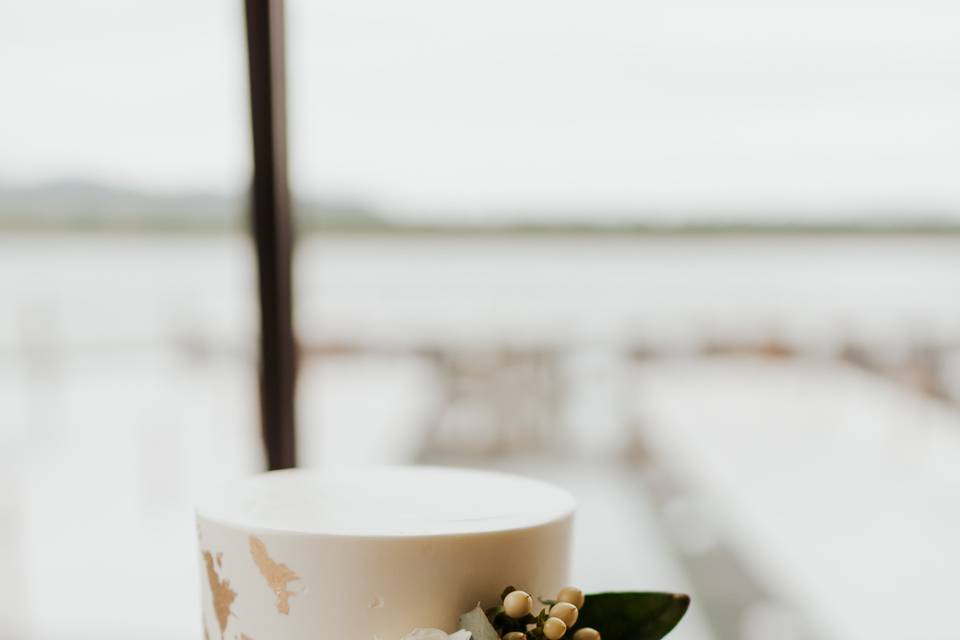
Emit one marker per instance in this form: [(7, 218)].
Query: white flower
[(436, 634)]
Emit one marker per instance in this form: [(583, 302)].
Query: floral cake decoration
[(572, 615)]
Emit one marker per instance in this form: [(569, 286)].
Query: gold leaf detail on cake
[(278, 575), (223, 595)]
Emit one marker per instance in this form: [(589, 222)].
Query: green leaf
[(505, 624), (633, 615), (477, 624)]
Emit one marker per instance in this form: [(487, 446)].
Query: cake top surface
[(387, 501)]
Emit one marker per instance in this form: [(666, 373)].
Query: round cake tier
[(370, 554)]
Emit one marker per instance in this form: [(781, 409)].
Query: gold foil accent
[(278, 576), (223, 595)]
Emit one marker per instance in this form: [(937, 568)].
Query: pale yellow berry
[(517, 604), (515, 635), (554, 628), (572, 595), (566, 612), (586, 634)]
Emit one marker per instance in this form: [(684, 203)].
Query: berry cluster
[(514, 620)]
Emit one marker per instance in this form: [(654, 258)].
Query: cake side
[(376, 582)]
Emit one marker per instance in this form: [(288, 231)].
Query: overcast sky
[(440, 107)]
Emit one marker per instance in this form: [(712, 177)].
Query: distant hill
[(80, 205), (76, 205)]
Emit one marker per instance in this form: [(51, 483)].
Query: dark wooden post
[(272, 230)]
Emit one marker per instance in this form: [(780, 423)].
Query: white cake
[(372, 554)]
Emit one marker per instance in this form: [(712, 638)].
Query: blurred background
[(696, 261)]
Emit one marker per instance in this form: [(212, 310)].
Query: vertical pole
[(272, 230)]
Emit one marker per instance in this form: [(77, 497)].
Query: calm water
[(80, 291)]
